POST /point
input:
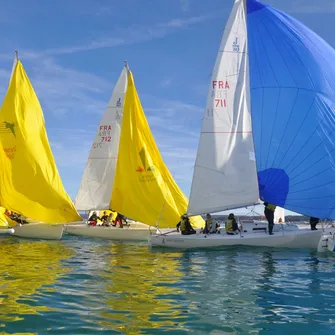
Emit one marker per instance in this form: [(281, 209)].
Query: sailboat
[(268, 128), (30, 184), (126, 173)]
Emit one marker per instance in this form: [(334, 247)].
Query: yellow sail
[(29, 181), (3, 219), (144, 189)]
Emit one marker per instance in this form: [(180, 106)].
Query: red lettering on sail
[(105, 127), (220, 84), (220, 103)]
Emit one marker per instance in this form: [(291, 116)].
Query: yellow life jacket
[(209, 223), (229, 225), (183, 225), (271, 207)]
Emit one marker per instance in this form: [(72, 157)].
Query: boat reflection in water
[(26, 270), (143, 290)]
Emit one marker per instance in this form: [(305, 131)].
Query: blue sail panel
[(292, 79)]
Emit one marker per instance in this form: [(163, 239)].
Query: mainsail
[(95, 190), (144, 188), (29, 181), (225, 173)]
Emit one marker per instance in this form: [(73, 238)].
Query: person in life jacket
[(269, 212), (313, 222), (210, 225), (184, 225), (231, 225), (93, 219)]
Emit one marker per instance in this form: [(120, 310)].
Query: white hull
[(289, 239), (136, 232), (6, 232), (43, 231)]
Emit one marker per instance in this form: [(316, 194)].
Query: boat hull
[(6, 231), (305, 239), (139, 232), (43, 231)]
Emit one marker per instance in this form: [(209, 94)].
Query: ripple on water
[(86, 286)]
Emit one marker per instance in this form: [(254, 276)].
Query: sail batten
[(96, 186), (225, 174)]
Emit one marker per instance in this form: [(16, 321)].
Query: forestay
[(225, 171), (95, 190)]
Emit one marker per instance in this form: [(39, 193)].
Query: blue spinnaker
[(292, 78)]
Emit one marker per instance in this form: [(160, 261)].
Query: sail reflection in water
[(143, 290), (25, 267), (108, 288)]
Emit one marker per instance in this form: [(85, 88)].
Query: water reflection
[(83, 286), (142, 289), (26, 266)]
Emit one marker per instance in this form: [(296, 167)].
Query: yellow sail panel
[(3, 219), (29, 181), (144, 189)]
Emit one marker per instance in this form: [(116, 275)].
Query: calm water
[(85, 286)]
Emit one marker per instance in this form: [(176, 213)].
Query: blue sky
[(73, 52)]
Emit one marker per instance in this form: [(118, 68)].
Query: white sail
[(225, 173), (97, 183), (279, 215)]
